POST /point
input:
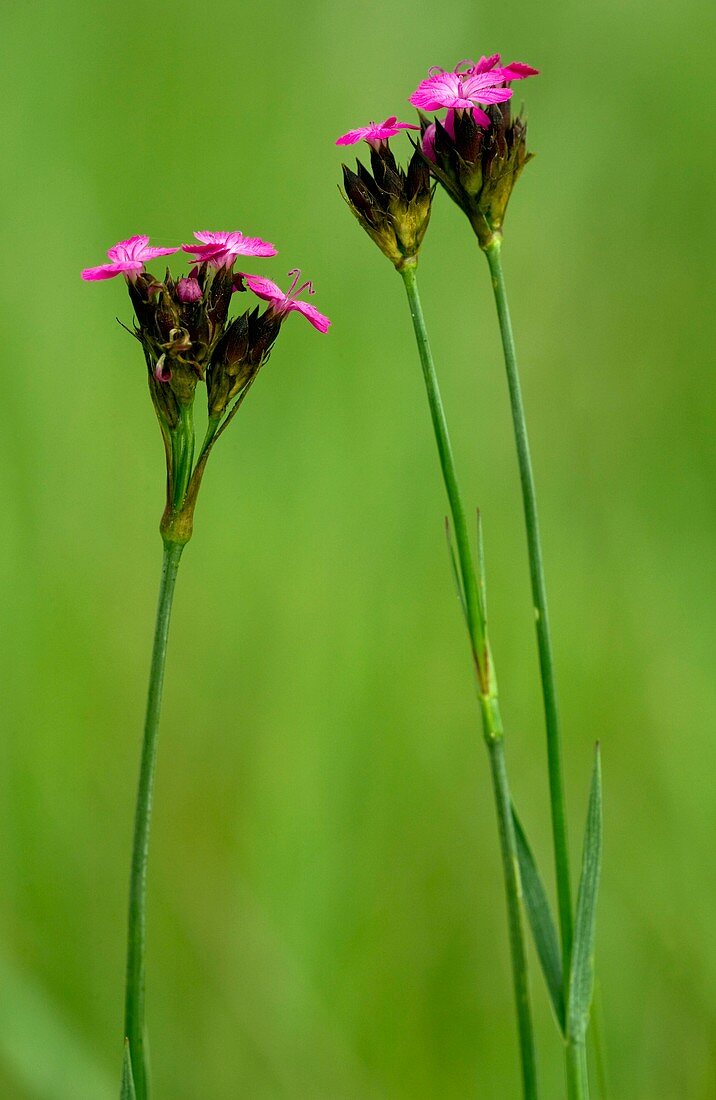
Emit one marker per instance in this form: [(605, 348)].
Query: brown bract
[(392, 205), (479, 167)]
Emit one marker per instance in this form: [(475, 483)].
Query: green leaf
[(539, 915), (456, 571), (126, 1091), (481, 566), (581, 978)]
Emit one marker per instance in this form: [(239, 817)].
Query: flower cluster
[(476, 152), (188, 337)]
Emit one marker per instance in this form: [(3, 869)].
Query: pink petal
[(429, 143), (108, 271), (188, 290), (494, 95), (264, 288), (318, 320), (517, 70), (437, 91), (485, 64), (353, 136), (129, 249), (211, 238), (480, 118), (152, 253), (254, 246), (203, 251), (477, 84), (402, 125), (449, 123)]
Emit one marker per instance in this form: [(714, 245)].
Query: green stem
[(473, 604), (577, 1074), (539, 596), (492, 724), (136, 940), (513, 889)]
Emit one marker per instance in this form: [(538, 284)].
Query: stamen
[(296, 272)]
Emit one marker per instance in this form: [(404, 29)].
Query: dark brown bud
[(238, 357), (392, 205), (479, 167)]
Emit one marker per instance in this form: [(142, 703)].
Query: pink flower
[(188, 290), (464, 89), (128, 258), (221, 249), (376, 132), (281, 304)]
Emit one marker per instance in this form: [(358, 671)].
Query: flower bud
[(478, 167), (392, 205), (179, 324), (238, 357)]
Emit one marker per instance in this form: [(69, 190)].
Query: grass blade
[(456, 572), (543, 928), (581, 978), (481, 566), (126, 1091)]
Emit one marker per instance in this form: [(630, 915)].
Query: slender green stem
[(513, 889), (136, 940), (539, 596), (473, 604), (492, 724), (577, 1073)]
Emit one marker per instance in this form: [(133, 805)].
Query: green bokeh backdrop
[(326, 908)]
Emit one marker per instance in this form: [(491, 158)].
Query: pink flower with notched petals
[(221, 249), (127, 258), (465, 89), (281, 304), (376, 133)]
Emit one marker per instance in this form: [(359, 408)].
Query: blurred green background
[(326, 907)]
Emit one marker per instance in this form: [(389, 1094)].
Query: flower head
[(189, 340), (391, 204), (478, 166), (465, 88), (221, 249), (280, 303), (127, 258), (376, 133)]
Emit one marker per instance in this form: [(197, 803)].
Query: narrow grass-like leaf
[(596, 1033), (539, 915), (581, 978), (126, 1091), (456, 572), (481, 583)]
